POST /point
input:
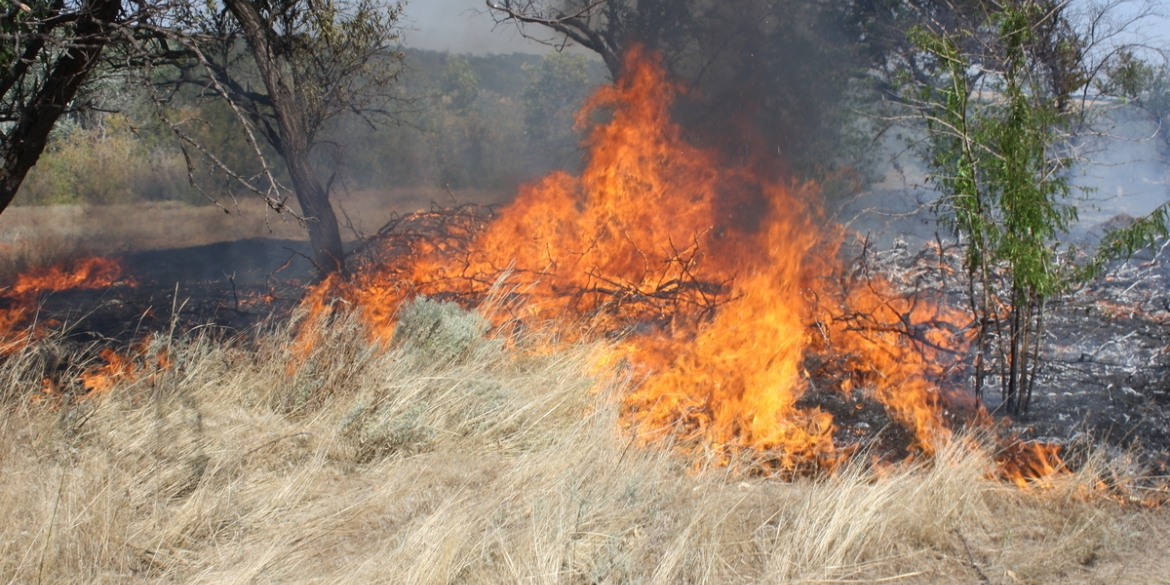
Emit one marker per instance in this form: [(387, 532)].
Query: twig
[(235, 295), (971, 558), (296, 253), (272, 442)]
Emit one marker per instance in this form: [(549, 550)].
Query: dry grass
[(486, 465)]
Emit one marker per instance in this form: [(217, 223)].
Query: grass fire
[(698, 338), (707, 271)]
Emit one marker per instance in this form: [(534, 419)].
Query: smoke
[(1123, 171), (770, 79)]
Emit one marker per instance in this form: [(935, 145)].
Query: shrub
[(442, 331)]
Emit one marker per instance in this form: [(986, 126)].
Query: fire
[(87, 273), (138, 363), (19, 301), (896, 346), (102, 378), (715, 272), (1026, 463)]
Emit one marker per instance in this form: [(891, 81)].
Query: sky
[(462, 26)]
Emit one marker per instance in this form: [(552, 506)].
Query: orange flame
[(87, 273), (1029, 463), (140, 362), (102, 378), (711, 267), (19, 301)]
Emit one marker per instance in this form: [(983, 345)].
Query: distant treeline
[(459, 121)]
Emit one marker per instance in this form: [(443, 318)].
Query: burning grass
[(667, 332), (709, 270), (18, 303), (458, 459)]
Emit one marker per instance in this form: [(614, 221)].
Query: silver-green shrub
[(442, 331)]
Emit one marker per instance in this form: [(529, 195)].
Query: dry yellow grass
[(487, 465)]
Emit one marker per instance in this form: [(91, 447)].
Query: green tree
[(996, 105), (1146, 86), (1140, 83), (557, 86), (460, 86)]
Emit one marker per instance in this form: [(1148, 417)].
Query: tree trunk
[(324, 235), (25, 141)]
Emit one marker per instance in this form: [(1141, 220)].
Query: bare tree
[(598, 25), (286, 68), (49, 49)]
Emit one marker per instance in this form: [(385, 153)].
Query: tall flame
[(711, 268)]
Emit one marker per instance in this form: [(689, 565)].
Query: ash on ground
[(1104, 376)]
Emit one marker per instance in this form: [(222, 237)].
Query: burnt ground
[(1106, 372), (230, 285), (1105, 379)]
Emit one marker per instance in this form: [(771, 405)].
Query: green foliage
[(104, 164), (1129, 77), (341, 57), (460, 85), (558, 84), (1146, 86), (996, 158), (445, 138), (1142, 233), (462, 126)]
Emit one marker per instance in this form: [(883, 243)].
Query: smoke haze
[(462, 26)]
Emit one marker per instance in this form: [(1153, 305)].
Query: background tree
[(301, 64), (557, 87), (1142, 83), (49, 51)]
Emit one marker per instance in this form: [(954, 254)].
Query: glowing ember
[(710, 268)]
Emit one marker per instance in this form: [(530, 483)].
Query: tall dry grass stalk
[(483, 464)]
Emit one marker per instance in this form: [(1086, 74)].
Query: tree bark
[(294, 147), (25, 141)]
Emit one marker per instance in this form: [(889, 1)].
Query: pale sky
[(462, 26)]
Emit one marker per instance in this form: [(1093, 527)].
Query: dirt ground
[(115, 229)]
